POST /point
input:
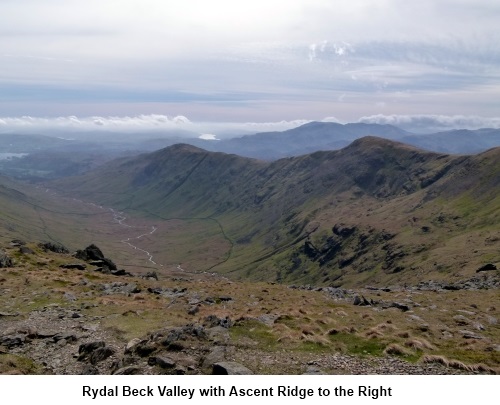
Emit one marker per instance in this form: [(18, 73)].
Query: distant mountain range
[(51, 157), (316, 136)]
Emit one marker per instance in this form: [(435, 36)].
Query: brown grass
[(419, 344), (396, 350), (458, 364)]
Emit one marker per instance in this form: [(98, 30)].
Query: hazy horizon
[(181, 126)]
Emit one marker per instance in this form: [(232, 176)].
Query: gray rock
[(130, 370), (12, 341), (230, 368), (194, 310), (66, 336), (73, 266), (402, 307), (26, 250), (17, 242), (86, 349), (145, 348), (312, 370), (5, 261), (218, 334), (487, 267), (100, 354), (216, 355), (93, 254), (151, 275), (461, 320), (53, 247), (8, 314), (132, 344), (70, 297), (89, 370), (163, 362), (268, 319), (361, 301), (213, 320), (123, 288), (466, 334)]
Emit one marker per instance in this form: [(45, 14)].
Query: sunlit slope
[(31, 213)]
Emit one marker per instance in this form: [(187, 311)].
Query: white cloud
[(141, 124), (163, 125), (433, 123), (209, 137), (262, 54)]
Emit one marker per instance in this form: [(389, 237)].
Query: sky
[(196, 64)]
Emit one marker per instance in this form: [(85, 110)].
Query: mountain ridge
[(272, 210)]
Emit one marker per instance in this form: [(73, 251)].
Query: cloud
[(157, 125), (209, 137), (433, 123), (278, 59), (153, 124)]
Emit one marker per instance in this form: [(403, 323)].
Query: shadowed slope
[(280, 217)]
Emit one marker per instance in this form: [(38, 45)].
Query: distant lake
[(4, 156)]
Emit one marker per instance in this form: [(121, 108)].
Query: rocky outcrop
[(343, 230), (53, 247), (5, 261), (26, 250), (73, 266), (487, 267), (94, 256), (479, 282)]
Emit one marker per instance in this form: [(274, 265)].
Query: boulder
[(216, 355), (67, 336), (151, 275), (313, 370), (118, 287), (402, 307), (130, 370), (343, 230), (5, 261), (361, 301), (17, 242), (8, 314), (89, 370), (86, 349), (100, 354), (230, 368), (26, 250), (73, 266), (162, 362), (194, 310), (12, 340), (213, 320), (53, 247), (487, 267), (132, 344), (144, 348), (91, 252)]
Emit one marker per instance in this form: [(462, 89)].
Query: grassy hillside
[(215, 253), (57, 319), (376, 211)]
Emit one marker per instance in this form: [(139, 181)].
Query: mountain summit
[(281, 220)]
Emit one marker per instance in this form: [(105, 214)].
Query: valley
[(392, 253)]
